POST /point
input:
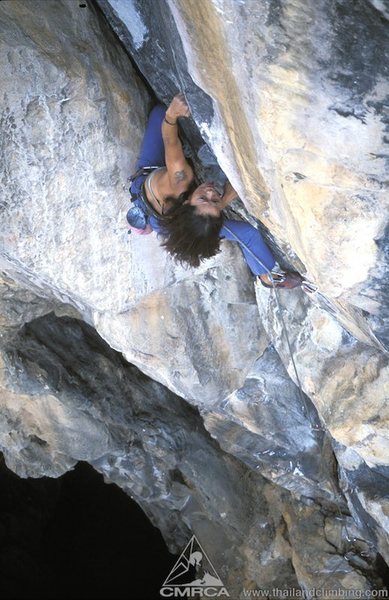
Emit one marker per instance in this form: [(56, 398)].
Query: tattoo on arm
[(180, 176)]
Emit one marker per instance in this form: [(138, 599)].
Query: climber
[(166, 199)]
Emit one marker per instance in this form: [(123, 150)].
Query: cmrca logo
[(193, 575)]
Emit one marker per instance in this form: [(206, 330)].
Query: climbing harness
[(309, 288), (139, 172), (138, 215), (148, 183)]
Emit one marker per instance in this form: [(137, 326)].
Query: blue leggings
[(152, 153)]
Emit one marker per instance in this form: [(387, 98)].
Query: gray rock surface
[(263, 496), (292, 89), (138, 434), (348, 386), (264, 424), (67, 396)]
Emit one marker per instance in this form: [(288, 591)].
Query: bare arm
[(179, 171), (229, 194)]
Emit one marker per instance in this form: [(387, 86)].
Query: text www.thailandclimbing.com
[(314, 593)]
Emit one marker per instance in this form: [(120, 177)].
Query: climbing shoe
[(285, 280)]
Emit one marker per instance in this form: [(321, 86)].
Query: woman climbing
[(166, 199)]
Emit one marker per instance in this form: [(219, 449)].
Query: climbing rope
[(313, 427), (308, 287)]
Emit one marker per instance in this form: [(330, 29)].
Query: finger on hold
[(183, 98), (186, 101)]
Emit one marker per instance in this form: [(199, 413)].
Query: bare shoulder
[(174, 183), (180, 176), (178, 180)]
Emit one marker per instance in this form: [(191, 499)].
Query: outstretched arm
[(179, 171), (257, 254)]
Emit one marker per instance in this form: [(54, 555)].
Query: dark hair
[(190, 237)]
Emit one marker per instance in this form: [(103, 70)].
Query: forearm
[(174, 154), (170, 133), (177, 167), (229, 194)]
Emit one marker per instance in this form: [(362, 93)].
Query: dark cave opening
[(76, 537)]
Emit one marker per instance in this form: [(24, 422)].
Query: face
[(206, 200)]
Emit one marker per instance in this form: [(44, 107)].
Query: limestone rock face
[(65, 160), (66, 126), (231, 448), (67, 396), (348, 386), (292, 88), (300, 88)]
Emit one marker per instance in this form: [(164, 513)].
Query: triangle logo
[(192, 573)]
